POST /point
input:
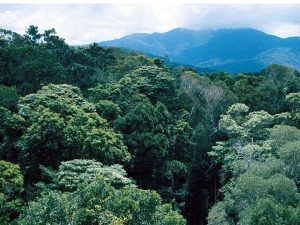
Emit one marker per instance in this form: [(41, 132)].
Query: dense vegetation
[(93, 135)]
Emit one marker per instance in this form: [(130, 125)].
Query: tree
[(285, 141), (245, 197), (32, 34), (282, 75), (62, 125), (8, 97), (283, 134), (246, 132), (107, 109), (293, 100), (269, 211), (207, 98), (100, 203), (124, 64), (41, 143), (146, 135), (88, 135), (11, 189), (290, 154), (150, 81), (153, 138), (258, 92), (11, 127), (261, 191), (52, 41), (74, 173), (52, 208)]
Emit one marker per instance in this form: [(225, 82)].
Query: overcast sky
[(82, 24)]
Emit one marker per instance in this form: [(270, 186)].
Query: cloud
[(282, 20), (81, 24)]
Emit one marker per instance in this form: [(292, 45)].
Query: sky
[(87, 23)]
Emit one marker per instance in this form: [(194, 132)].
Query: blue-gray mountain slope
[(230, 50)]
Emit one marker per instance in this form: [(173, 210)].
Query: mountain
[(230, 50)]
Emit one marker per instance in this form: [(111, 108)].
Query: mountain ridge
[(230, 50)]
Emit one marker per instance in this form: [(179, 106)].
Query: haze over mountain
[(230, 50)]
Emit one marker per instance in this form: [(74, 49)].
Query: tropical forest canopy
[(93, 135)]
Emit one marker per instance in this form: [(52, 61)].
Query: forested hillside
[(230, 50), (93, 135)]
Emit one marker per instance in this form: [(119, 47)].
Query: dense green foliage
[(92, 135), (11, 188), (100, 203)]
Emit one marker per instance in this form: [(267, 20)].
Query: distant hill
[(230, 50)]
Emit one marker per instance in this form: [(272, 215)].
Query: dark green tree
[(11, 189)]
